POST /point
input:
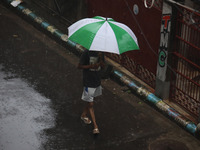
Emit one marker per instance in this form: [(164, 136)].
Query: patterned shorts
[(89, 93)]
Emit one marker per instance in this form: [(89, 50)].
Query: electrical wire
[(42, 4), (142, 33), (145, 36), (169, 67)]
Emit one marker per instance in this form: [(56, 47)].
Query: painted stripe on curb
[(152, 98)]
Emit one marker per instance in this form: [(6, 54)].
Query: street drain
[(167, 145)]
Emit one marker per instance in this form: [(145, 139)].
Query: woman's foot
[(96, 131), (86, 120)]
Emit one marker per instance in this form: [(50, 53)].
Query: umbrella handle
[(100, 55)]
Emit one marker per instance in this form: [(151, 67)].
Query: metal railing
[(185, 85)]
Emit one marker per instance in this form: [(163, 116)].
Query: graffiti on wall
[(164, 36), (163, 48)]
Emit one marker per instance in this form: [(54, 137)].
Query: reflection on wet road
[(24, 114)]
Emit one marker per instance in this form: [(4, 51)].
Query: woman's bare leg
[(85, 111), (91, 110)]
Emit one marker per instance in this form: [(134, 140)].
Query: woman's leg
[(91, 110), (85, 111)]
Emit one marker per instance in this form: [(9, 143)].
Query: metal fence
[(185, 84)]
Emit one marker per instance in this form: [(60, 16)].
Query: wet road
[(40, 102), (24, 114)]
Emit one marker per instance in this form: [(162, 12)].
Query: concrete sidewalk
[(125, 120)]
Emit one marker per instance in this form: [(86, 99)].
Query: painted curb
[(150, 97)]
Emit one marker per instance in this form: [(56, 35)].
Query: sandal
[(96, 131), (86, 120)]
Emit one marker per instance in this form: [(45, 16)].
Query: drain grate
[(168, 145)]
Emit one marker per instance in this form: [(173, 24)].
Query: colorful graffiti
[(164, 37), (164, 42)]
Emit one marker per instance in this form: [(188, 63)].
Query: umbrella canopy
[(103, 34)]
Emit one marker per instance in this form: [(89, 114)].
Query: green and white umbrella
[(103, 34)]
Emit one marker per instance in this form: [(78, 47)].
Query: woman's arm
[(92, 66)]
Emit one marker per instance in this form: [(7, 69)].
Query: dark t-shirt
[(91, 77)]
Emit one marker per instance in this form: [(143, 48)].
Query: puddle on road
[(24, 114)]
